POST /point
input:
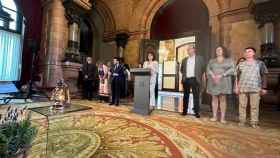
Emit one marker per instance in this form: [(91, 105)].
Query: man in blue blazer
[(117, 71)]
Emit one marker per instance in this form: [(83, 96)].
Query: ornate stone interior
[(65, 32), (118, 28)]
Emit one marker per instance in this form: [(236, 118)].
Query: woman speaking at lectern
[(153, 66)]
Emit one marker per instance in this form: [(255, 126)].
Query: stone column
[(53, 41), (215, 34), (266, 15), (267, 33), (71, 61), (72, 54), (121, 40), (72, 65), (75, 11), (74, 36)]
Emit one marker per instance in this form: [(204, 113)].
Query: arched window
[(11, 41), (9, 16)]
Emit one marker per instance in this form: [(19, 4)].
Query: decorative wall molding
[(235, 15), (86, 4)]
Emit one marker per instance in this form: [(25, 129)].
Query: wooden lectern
[(141, 91)]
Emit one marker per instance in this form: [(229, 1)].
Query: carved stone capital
[(267, 18), (74, 9), (72, 16), (85, 4), (121, 39)]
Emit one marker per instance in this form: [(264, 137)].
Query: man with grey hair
[(89, 75), (192, 69)]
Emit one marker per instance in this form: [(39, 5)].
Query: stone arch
[(155, 5), (96, 36), (108, 19)]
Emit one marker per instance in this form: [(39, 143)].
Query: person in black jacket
[(118, 77), (89, 75)]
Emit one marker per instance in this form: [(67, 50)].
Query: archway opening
[(86, 36), (178, 18), (177, 25), (92, 38)]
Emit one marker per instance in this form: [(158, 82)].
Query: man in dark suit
[(118, 77), (192, 69), (89, 75)]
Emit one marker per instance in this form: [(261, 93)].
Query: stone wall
[(54, 41), (231, 24), (242, 35), (230, 21), (238, 31)]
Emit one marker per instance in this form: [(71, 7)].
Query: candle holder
[(60, 95)]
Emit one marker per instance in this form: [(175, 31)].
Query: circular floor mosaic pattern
[(115, 132), (105, 136)]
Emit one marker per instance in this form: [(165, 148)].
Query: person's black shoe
[(183, 113), (197, 115), (117, 104), (111, 104)]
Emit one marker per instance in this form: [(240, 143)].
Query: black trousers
[(191, 83), (88, 89), (116, 87)]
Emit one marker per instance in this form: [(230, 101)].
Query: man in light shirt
[(192, 69)]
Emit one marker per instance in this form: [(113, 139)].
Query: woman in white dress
[(153, 66)]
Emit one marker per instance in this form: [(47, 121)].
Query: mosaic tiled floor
[(115, 132)]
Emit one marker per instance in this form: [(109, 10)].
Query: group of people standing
[(246, 79), (111, 80), (249, 82)]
